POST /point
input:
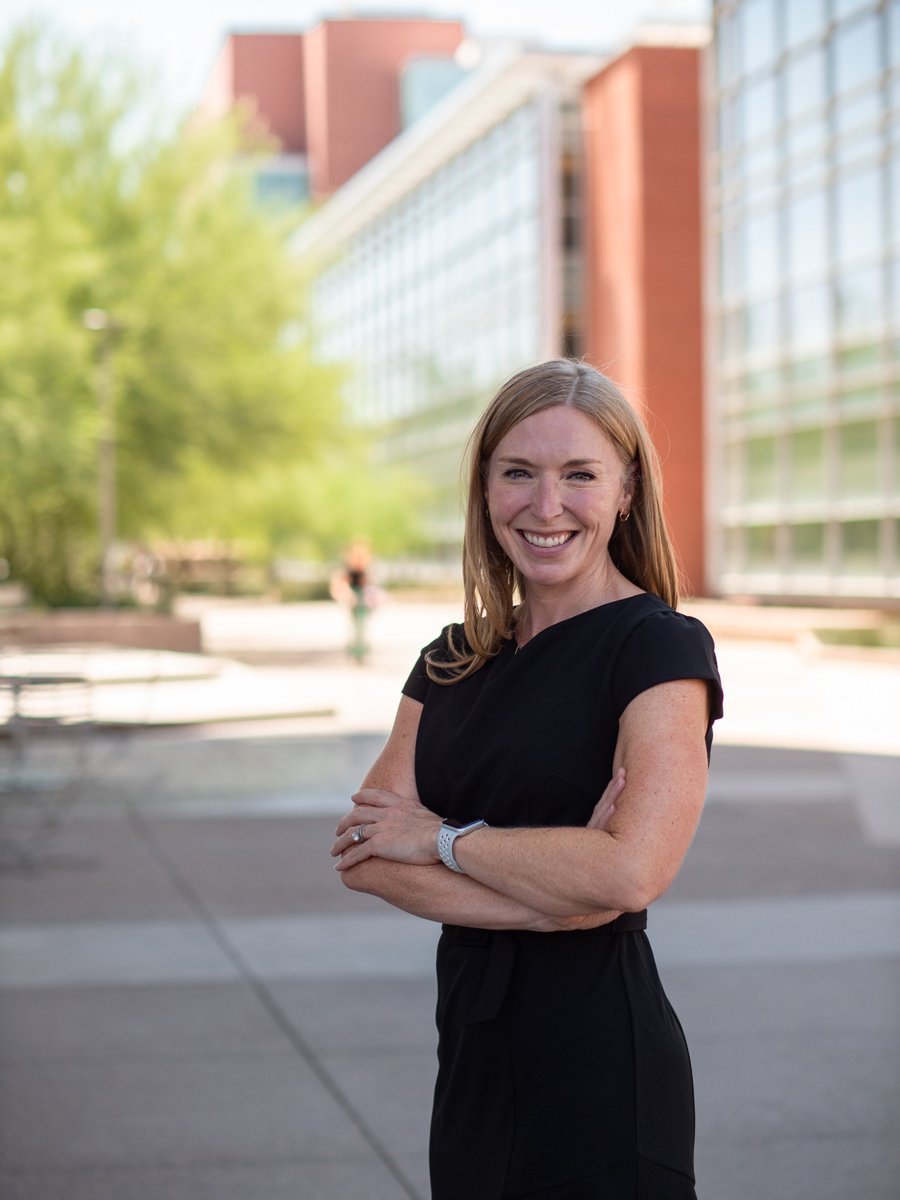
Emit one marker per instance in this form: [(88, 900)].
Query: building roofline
[(507, 78)]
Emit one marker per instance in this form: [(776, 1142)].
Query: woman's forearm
[(437, 894)]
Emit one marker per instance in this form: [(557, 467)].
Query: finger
[(346, 840), (376, 797), (356, 854), (361, 814)]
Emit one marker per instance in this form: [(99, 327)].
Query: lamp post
[(99, 321)]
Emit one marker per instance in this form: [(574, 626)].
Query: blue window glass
[(761, 328), (807, 229), (761, 257), (857, 56), (809, 318), (726, 43), (805, 82), (760, 108), (859, 223), (758, 44), (803, 19), (859, 305), (845, 8)]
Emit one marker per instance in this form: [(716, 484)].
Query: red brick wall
[(353, 89), (643, 214), (268, 71)]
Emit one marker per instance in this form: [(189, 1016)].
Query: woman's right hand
[(603, 813)]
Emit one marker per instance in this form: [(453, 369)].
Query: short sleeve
[(418, 683), (666, 646)]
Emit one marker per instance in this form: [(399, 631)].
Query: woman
[(563, 1072)]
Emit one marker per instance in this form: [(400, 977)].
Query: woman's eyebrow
[(572, 462)]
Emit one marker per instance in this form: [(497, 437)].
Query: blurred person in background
[(352, 587), (563, 1072)]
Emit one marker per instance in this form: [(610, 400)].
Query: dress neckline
[(517, 649)]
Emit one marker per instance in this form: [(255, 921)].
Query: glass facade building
[(804, 227), (452, 261)]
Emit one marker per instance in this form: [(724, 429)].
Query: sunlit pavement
[(191, 1005)]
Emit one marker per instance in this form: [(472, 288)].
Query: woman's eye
[(515, 473), (582, 476)]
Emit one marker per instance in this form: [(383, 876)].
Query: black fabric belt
[(625, 923), (502, 944)]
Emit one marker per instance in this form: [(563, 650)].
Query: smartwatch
[(447, 835)]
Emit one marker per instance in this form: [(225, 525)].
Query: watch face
[(464, 826)]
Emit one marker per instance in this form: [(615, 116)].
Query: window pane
[(807, 220), (726, 39), (807, 470), (761, 546), (859, 545), (760, 469), (859, 230), (856, 53), (861, 110), (761, 333), (859, 459), (859, 304), (761, 252), (810, 318), (757, 33), (729, 123), (807, 546), (805, 82), (844, 8), (803, 19), (729, 265), (760, 108)]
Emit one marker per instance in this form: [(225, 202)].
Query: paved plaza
[(193, 1008)]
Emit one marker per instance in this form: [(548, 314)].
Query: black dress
[(563, 1073)]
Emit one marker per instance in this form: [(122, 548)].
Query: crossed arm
[(540, 879)]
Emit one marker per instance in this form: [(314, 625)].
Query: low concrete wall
[(142, 631)]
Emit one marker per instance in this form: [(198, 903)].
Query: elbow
[(632, 888), (639, 890)]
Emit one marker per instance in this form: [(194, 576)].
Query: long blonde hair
[(640, 547)]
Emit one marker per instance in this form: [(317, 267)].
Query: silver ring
[(357, 835)]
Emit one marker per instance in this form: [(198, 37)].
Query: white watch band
[(446, 838), (447, 835)]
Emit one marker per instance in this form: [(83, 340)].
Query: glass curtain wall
[(438, 299), (805, 419)]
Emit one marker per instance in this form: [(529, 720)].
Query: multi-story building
[(804, 286), (481, 241), (445, 264), (331, 97)]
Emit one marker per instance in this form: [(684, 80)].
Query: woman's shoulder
[(660, 644), (658, 628), (452, 638)]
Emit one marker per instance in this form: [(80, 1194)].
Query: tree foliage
[(216, 401)]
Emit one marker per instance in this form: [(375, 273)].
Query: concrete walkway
[(192, 1007)]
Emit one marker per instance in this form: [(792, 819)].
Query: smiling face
[(554, 486)]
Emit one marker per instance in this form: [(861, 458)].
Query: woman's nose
[(545, 501)]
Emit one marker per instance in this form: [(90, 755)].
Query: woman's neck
[(543, 607)]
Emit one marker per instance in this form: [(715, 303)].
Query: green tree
[(212, 383)]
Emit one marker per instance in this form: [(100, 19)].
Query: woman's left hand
[(389, 826)]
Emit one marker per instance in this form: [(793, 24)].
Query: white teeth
[(534, 539)]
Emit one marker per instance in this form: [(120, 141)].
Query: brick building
[(642, 252), (330, 96)]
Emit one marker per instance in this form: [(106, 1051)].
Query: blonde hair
[(640, 547)]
